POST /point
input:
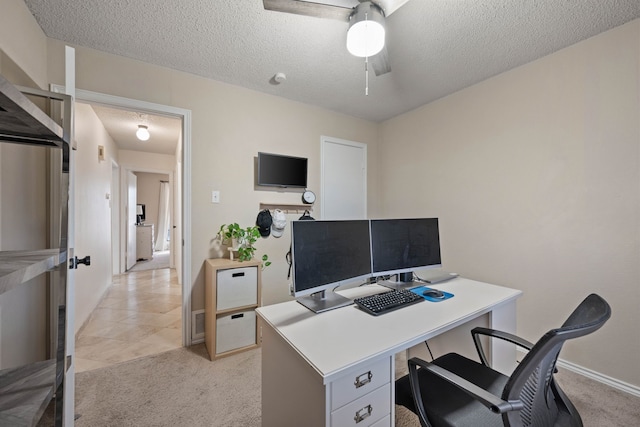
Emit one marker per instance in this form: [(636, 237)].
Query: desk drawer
[(352, 386), (385, 422), (365, 411), (236, 287)]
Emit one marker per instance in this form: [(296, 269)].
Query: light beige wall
[(535, 176), (22, 40), (23, 219), (149, 195), (230, 126), (23, 310), (138, 160), (92, 210)]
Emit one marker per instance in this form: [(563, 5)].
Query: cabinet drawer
[(365, 411), (385, 422), (237, 287), (235, 330), (359, 383)]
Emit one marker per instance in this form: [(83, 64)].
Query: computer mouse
[(433, 293)]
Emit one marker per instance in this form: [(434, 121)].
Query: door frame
[(114, 202), (130, 249), (185, 115)]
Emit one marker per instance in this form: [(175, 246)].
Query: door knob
[(73, 262)]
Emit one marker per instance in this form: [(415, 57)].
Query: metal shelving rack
[(26, 391)]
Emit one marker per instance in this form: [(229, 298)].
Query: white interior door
[(68, 413), (132, 197), (343, 179)]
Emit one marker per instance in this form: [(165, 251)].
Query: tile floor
[(140, 315)]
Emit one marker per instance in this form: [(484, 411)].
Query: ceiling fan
[(363, 17)]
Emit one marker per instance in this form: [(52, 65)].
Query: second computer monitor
[(400, 246)]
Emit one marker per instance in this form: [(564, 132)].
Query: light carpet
[(183, 387), (158, 260)]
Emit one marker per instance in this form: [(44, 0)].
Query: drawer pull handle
[(361, 416), (237, 316), (360, 381), (237, 274)]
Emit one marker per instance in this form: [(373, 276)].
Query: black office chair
[(456, 391)]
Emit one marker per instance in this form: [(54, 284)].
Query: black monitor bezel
[(330, 285), (397, 270)]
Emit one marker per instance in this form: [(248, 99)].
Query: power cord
[(428, 348), (417, 278)]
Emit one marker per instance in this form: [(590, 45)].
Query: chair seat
[(530, 397), (446, 404)]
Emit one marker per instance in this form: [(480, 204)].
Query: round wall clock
[(308, 197)]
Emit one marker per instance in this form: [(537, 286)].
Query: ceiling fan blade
[(390, 6), (318, 10), (380, 62)]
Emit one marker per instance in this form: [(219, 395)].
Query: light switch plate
[(215, 196)]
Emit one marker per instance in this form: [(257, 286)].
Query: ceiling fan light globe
[(365, 38), (366, 33)]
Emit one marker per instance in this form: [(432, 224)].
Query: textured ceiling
[(436, 47)]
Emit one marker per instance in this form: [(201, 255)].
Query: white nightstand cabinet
[(144, 241), (232, 293)]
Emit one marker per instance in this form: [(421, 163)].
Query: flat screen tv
[(276, 170)]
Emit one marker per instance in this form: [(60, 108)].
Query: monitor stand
[(324, 301), (405, 281)]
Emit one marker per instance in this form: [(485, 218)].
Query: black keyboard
[(387, 301)]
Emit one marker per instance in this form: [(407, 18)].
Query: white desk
[(312, 362)]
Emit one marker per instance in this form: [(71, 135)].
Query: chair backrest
[(532, 381)]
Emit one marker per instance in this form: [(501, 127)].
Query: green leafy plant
[(242, 240)]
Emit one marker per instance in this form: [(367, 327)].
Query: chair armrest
[(506, 336), (491, 401)]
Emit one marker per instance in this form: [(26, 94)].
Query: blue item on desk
[(421, 289)]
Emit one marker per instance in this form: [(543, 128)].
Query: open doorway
[(178, 182), (153, 229)]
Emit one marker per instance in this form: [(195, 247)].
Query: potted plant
[(242, 240)]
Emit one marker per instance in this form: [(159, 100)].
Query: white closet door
[(343, 179)]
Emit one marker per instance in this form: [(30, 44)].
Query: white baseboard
[(596, 376)]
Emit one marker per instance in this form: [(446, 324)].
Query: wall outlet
[(215, 196)]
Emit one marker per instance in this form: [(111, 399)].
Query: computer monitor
[(324, 254), (400, 246)]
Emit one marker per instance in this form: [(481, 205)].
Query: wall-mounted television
[(276, 170)]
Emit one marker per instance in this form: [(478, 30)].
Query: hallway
[(140, 315)]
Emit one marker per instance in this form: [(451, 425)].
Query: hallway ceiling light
[(143, 133)]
